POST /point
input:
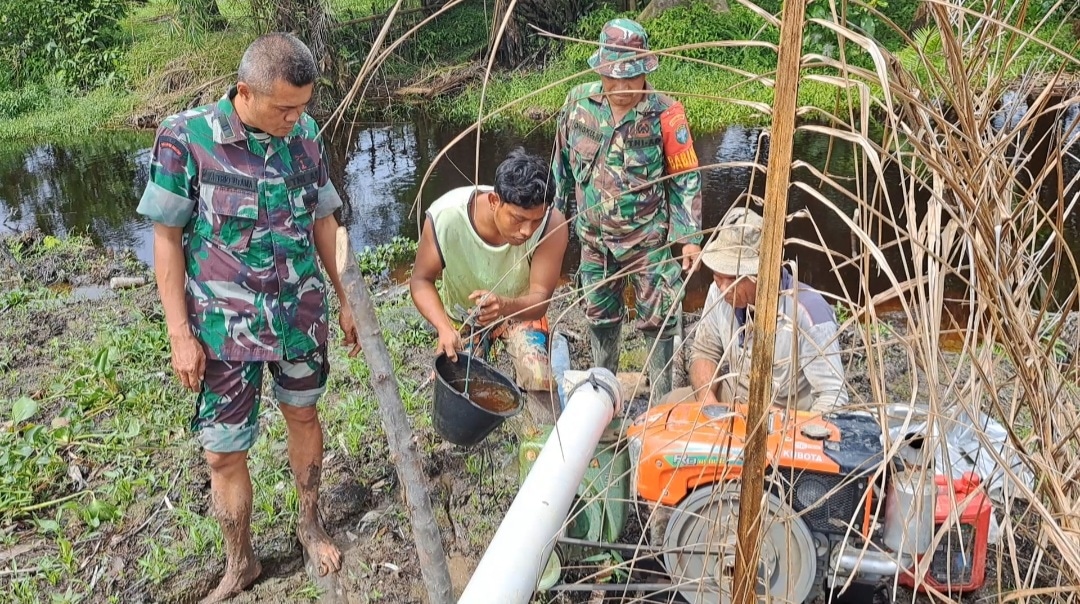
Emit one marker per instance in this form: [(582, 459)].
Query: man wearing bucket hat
[(807, 373), (625, 155)]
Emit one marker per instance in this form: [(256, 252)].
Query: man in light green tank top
[(499, 252)]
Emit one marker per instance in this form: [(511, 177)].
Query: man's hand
[(490, 306), (690, 253), (449, 342), (348, 327), (188, 360)]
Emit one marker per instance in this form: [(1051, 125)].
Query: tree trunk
[(655, 7), (204, 15), (520, 39)]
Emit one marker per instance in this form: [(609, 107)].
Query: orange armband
[(679, 152)]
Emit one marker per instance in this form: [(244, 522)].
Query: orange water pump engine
[(836, 511)]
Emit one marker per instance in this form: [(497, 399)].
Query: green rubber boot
[(659, 366), (605, 341)]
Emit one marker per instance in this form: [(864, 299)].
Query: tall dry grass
[(957, 154)]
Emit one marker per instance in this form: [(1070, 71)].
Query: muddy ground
[(155, 541)]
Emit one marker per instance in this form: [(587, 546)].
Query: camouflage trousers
[(227, 409), (655, 276)]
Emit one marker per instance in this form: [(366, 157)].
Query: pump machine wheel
[(699, 548)]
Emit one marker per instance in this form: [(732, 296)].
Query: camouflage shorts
[(227, 410), (655, 276)]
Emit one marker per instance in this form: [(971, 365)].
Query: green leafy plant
[(78, 40), (382, 259), (860, 17)]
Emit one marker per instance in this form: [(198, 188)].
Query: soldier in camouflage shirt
[(242, 204), (626, 158)]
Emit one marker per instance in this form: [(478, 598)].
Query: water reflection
[(87, 187), (93, 186)]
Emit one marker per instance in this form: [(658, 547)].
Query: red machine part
[(958, 560)]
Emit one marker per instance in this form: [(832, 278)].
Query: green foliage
[(710, 86), (17, 297), (384, 258), (842, 312), (698, 23), (66, 115), (79, 41), (695, 23), (458, 35), (33, 97), (200, 15), (925, 60)]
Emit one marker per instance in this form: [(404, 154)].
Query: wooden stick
[(768, 290), (403, 453)]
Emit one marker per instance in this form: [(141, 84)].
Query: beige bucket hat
[(735, 248)]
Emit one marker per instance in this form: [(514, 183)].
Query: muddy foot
[(323, 556), (235, 581)]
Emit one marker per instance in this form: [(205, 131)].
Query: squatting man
[(807, 372)]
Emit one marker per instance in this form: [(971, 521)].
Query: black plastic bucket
[(471, 399)]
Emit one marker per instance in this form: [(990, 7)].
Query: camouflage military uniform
[(248, 204), (636, 189), (626, 210)]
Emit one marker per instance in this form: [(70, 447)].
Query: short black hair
[(277, 56), (524, 180)]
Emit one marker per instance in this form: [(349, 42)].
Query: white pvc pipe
[(518, 553)]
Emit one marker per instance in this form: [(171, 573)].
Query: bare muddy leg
[(230, 487), (305, 458)]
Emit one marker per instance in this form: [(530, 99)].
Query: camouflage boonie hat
[(622, 41)]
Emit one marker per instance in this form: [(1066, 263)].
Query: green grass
[(633, 359), (713, 95), (709, 91), (114, 415), (65, 116), (162, 70), (166, 68)]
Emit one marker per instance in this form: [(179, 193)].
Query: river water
[(93, 186)]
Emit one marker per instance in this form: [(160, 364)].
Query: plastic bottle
[(560, 363)]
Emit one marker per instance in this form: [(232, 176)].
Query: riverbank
[(105, 497), (165, 68)]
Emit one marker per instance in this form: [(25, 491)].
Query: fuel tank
[(677, 447)]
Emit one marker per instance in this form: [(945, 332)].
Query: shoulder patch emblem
[(171, 154), (682, 134)]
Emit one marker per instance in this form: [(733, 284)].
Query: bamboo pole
[(429, 547), (777, 182)]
